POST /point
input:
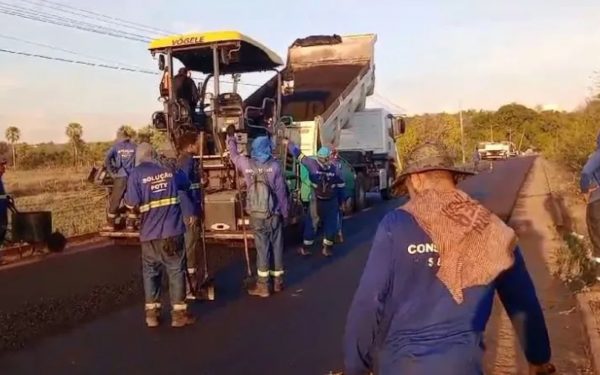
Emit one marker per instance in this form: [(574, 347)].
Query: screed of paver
[(538, 241)]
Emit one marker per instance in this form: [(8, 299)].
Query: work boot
[(181, 318), (110, 225), (130, 225), (152, 317), (277, 284), (191, 286), (260, 289), (327, 250), (303, 251)]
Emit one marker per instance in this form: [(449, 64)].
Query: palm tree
[(13, 134), (74, 132)]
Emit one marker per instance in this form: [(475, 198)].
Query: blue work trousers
[(329, 215), (268, 239), (167, 254)]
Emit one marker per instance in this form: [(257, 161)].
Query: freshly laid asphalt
[(298, 331)]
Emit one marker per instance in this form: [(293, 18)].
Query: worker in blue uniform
[(3, 203), (329, 192), (267, 205), (191, 167), (337, 162), (589, 184), (427, 289), (154, 189), (119, 162)]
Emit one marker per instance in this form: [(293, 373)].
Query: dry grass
[(77, 206), (572, 262)]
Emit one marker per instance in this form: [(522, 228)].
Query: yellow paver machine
[(215, 55)]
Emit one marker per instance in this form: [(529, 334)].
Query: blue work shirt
[(190, 167), (318, 172), (3, 202), (120, 159), (154, 189), (590, 174), (273, 172), (403, 319)]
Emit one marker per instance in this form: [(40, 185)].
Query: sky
[(431, 55)]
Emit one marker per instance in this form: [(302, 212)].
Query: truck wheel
[(386, 194), (349, 207), (360, 194)]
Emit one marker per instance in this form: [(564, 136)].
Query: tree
[(74, 132), (128, 130), (13, 134)]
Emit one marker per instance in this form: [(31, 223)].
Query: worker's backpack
[(260, 200), (325, 188)]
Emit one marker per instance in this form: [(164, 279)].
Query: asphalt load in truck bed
[(234, 331), (315, 89)]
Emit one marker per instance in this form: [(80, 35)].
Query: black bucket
[(32, 227)]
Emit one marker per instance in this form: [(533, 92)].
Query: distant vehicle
[(496, 150)]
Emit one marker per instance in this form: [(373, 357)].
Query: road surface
[(295, 332)]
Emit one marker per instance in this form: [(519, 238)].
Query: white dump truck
[(331, 78)]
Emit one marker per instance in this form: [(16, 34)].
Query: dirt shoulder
[(532, 218)]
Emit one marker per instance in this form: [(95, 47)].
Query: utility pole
[(521, 141), (462, 133), (491, 133)]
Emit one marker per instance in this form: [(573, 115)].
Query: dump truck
[(331, 77)]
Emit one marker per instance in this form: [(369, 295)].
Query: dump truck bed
[(333, 75)]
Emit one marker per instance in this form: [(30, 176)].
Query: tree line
[(567, 137), (76, 153)]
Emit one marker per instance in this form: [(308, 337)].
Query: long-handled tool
[(249, 278), (207, 281)]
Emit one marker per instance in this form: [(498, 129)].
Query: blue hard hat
[(324, 152)]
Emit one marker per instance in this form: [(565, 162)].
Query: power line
[(96, 65), (49, 18), (76, 21), (79, 62), (49, 46), (383, 99), (97, 16)]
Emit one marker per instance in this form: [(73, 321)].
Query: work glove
[(190, 221), (170, 246), (544, 369)]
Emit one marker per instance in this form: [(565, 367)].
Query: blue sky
[(431, 55)]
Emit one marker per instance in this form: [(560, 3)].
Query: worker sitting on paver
[(427, 289), (191, 168), (267, 205), (329, 191), (153, 189), (119, 162), (185, 89), (589, 183)]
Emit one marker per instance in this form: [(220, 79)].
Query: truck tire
[(386, 194), (360, 193)]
